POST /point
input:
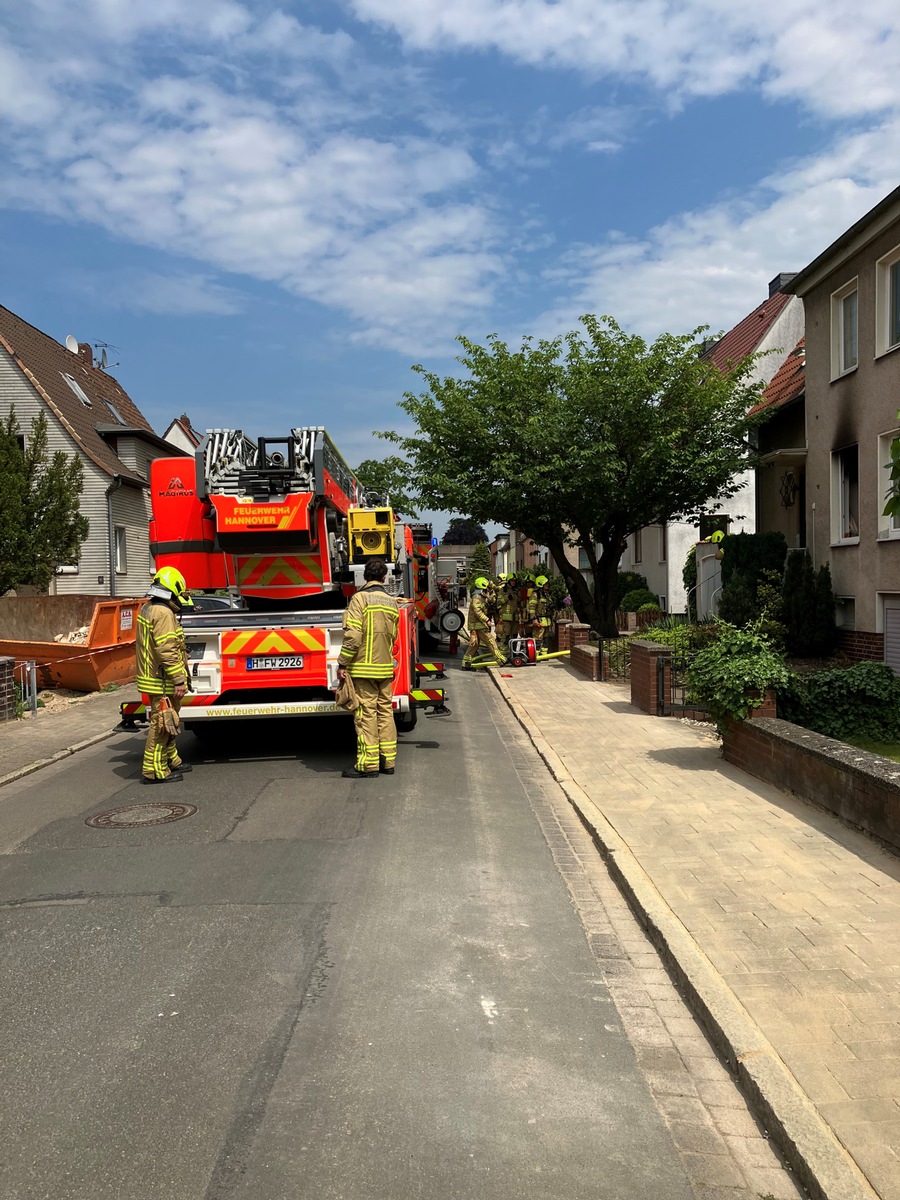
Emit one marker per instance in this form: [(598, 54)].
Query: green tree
[(824, 625), (40, 524), (798, 605), (480, 560), (737, 602), (389, 477), (463, 531), (580, 441)]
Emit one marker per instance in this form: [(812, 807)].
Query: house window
[(845, 495), (887, 302), (78, 390), (637, 546), (844, 329), (663, 545), (115, 412), (888, 527), (711, 524), (121, 550)]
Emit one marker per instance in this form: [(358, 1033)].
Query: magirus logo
[(176, 488)]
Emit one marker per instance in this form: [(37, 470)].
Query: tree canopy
[(581, 440), (40, 524), (391, 477), (463, 531)]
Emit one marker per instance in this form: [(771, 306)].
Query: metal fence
[(25, 676), (672, 695), (615, 658)]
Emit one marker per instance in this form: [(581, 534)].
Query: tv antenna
[(104, 363)]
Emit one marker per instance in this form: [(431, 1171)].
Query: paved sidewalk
[(781, 924), (25, 746)]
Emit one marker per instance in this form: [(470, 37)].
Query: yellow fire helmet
[(169, 584), (480, 584), (541, 580)]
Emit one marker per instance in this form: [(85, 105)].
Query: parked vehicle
[(284, 525)]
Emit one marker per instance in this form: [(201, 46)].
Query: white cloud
[(712, 265), (839, 58), (185, 294), (242, 176)]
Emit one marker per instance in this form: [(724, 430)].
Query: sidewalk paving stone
[(798, 914)]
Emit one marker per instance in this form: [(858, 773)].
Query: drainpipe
[(110, 491)]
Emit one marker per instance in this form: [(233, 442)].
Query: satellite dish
[(104, 360), (72, 344)]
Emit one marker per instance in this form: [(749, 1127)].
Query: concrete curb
[(809, 1146), (54, 758)]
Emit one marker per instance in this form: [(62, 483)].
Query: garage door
[(892, 632)]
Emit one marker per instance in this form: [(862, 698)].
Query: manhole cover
[(140, 814)]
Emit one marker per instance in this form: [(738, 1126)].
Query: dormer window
[(79, 391)]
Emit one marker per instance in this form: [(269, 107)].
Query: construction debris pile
[(77, 637)]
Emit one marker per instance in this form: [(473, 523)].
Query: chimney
[(85, 353), (780, 282)]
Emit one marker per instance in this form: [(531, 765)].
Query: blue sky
[(273, 210)]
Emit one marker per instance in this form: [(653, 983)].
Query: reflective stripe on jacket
[(370, 625), (162, 660)]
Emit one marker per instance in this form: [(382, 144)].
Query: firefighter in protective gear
[(541, 605), (507, 624), (479, 624), (371, 621), (162, 673)]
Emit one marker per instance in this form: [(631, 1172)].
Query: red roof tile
[(747, 334), (788, 382), (45, 362)]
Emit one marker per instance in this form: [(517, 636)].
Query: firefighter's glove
[(171, 722)]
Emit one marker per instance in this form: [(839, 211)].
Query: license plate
[(275, 662)]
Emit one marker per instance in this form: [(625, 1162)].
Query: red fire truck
[(284, 528)]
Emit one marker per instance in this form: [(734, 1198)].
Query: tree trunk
[(606, 586), (582, 601)]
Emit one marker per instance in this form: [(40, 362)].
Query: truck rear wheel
[(406, 721)]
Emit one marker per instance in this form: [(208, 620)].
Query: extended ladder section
[(279, 505)]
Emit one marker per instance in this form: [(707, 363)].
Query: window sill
[(843, 374), (854, 541), (886, 351), (893, 536)]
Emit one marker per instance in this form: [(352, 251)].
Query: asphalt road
[(312, 987)]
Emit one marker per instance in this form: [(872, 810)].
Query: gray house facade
[(89, 415), (852, 396)]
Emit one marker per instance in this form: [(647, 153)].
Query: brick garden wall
[(856, 786), (860, 646), (644, 687), (7, 691)]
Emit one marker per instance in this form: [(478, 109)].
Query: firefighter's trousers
[(481, 641), (160, 753), (506, 630), (541, 629), (376, 733)]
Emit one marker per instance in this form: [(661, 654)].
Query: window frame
[(839, 368), (885, 267), (888, 527), (838, 498), (663, 543), (637, 546), (120, 534), (75, 387)]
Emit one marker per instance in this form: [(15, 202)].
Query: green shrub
[(689, 579), (859, 701), (654, 607), (628, 581), (737, 601), (727, 676), (751, 554), (808, 604), (633, 600)]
